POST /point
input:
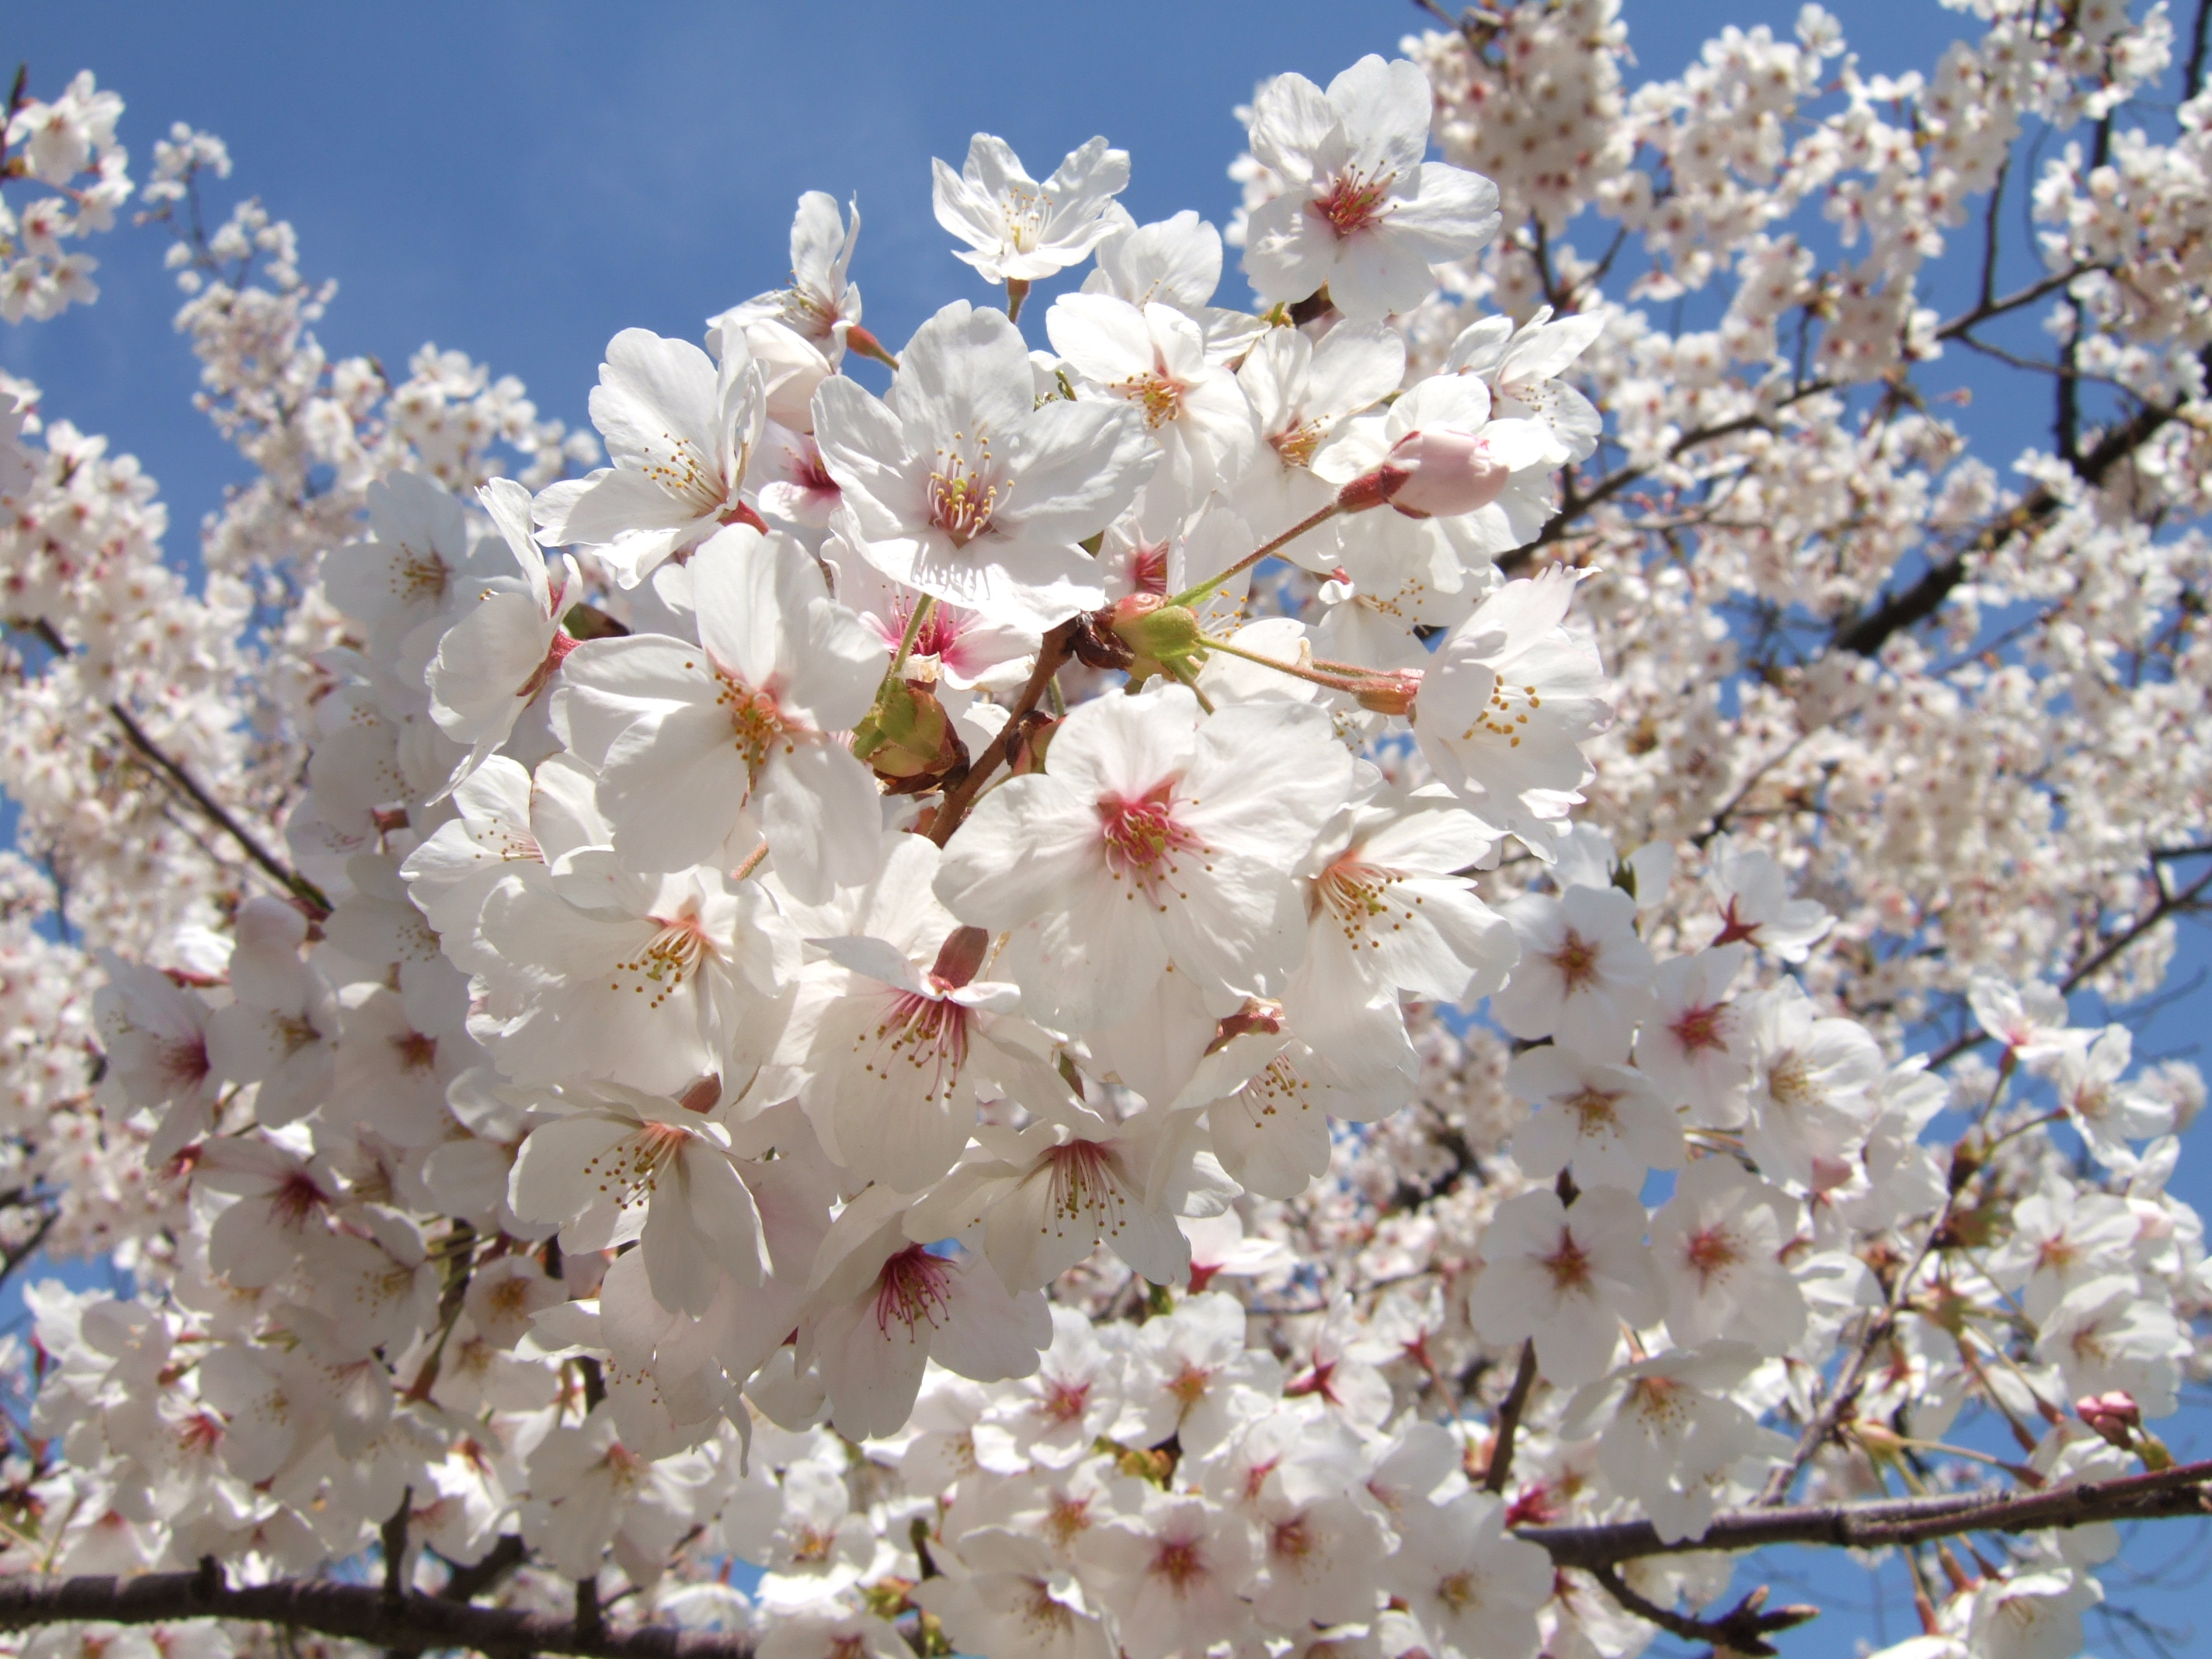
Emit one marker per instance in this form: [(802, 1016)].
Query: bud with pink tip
[(1447, 473), (1433, 473)]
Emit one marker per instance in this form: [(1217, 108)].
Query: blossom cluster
[(1001, 977)]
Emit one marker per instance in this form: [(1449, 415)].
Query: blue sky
[(521, 180)]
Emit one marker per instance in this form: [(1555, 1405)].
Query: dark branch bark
[(1743, 1629), (1509, 1420), (1867, 632), (1058, 645), (364, 1612), (298, 885), (359, 1612), (2166, 1493)]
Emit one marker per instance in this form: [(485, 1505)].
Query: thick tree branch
[(2168, 1493), (1869, 631), (359, 1612), (364, 1612)]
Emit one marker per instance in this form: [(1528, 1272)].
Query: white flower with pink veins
[(680, 428), (820, 306), (1388, 912), (1018, 230), (960, 484), (1014, 1599), (613, 1164), (1302, 393), (650, 981), (1671, 1434), (1504, 712), (1603, 1122), (1153, 358), (686, 738), (1361, 213), (898, 1031), (1716, 1248), (504, 652), (880, 1307), (1173, 1573), (1584, 977), (1037, 1200), (1150, 836), (1474, 1588), (1568, 1275)]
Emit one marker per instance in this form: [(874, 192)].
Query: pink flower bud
[(1392, 693), (1446, 473), (2113, 1416)]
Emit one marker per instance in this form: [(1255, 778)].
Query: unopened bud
[(2115, 1417), (1390, 693), (959, 957), (907, 737), (704, 1094), (1154, 629), (1446, 473), (1025, 752)]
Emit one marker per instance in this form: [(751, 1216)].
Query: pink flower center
[(1180, 1561), (927, 1037), (1711, 1250), (555, 654), (960, 502), (672, 956), (1353, 202), (1569, 1264), (912, 1289), (1065, 1401), (1084, 1184), (757, 723), (1701, 1028), (1142, 836), (1576, 959), (1148, 567)]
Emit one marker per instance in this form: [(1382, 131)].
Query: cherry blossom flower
[(500, 657), (680, 427), (1018, 230), (1717, 1252), (1511, 697), (1582, 975), (616, 1164), (1176, 1567), (1361, 213), (961, 485), (1148, 837), (1605, 1123), (1153, 359), (1566, 1276), (1474, 1589), (881, 1306), (686, 738), (822, 304)]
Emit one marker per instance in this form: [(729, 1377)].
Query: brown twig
[(1509, 1420), (1743, 1628), (1052, 656)]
